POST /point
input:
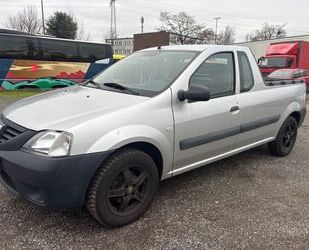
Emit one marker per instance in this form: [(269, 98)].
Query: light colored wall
[(122, 46), (259, 48)]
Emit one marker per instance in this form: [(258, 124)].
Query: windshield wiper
[(95, 84), (120, 87)]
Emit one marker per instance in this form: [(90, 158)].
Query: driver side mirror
[(195, 93), (260, 61)]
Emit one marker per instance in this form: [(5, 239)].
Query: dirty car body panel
[(187, 134)]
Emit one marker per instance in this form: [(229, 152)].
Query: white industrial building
[(259, 47), (123, 46)]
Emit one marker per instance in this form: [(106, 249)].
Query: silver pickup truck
[(156, 114)]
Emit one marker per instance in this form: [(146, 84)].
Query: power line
[(234, 20)]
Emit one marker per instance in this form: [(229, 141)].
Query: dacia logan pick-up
[(156, 114)]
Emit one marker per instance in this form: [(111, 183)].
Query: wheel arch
[(297, 116), (147, 139), (150, 150), (294, 110)]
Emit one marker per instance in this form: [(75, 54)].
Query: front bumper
[(49, 182)]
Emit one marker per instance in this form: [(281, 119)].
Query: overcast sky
[(243, 15)]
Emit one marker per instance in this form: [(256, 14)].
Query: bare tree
[(268, 31), (82, 34), (226, 36), (26, 20), (183, 27), (207, 36)]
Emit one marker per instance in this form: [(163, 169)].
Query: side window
[(58, 50), (217, 73), (246, 76), (33, 48), (13, 47), (92, 52)]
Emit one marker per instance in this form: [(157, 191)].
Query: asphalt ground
[(252, 200)]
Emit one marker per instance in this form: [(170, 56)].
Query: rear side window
[(217, 73), (246, 76)]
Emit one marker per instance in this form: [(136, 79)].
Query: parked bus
[(28, 61)]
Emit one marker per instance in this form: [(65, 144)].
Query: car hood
[(62, 109)]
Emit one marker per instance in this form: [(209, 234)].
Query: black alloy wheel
[(123, 187), (285, 139), (128, 191)]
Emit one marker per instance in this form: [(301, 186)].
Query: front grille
[(9, 130), (8, 133), (12, 135)]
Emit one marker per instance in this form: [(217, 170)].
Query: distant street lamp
[(43, 19), (216, 33)]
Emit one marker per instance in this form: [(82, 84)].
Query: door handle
[(234, 109)]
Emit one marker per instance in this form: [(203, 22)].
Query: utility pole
[(216, 32), (142, 23), (113, 31), (43, 19)]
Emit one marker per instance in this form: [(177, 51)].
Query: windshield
[(147, 72), (282, 74), (274, 62)]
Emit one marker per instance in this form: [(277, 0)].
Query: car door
[(260, 107), (206, 130)]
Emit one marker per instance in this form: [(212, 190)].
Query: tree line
[(183, 28), (60, 24), (187, 31)]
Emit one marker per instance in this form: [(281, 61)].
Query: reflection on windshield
[(274, 62), (147, 71)]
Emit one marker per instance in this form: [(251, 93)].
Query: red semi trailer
[(287, 55)]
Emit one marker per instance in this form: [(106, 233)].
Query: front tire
[(285, 139), (123, 188)]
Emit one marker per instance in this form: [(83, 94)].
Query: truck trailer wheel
[(285, 139), (123, 188)]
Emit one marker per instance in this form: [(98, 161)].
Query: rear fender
[(293, 107)]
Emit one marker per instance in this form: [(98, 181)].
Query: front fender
[(123, 136)]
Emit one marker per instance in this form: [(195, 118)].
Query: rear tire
[(285, 139), (123, 188)]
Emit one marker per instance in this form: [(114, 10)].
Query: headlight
[(50, 143)]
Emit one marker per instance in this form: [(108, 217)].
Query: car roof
[(199, 47)]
